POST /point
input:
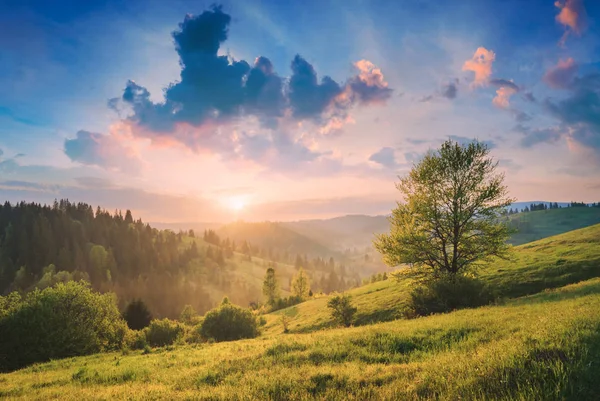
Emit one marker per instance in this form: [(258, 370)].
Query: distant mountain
[(277, 236), (342, 232), (198, 227)]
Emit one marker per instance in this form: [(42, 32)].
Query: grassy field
[(546, 223), (548, 263), (540, 346), (545, 346)]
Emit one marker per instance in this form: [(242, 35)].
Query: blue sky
[(102, 103)]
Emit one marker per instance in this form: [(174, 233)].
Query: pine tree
[(270, 287)]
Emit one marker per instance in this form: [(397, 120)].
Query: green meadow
[(540, 341)]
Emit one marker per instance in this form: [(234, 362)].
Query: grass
[(548, 263), (546, 223), (541, 342), (544, 346)]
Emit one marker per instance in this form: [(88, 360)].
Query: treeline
[(42, 245), (545, 206)]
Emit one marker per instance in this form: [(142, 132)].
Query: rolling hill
[(548, 263), (544, 346), (540, 224)]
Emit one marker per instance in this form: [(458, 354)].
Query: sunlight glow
[(236, 203)]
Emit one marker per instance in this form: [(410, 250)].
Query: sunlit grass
[(548, 263), (545, 346)]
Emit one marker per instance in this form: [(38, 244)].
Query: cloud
[(529, 97), (216, 95), (101, 150), (561, 75), (532, 137), (385, 156), (572, 16), (369, 86), (481, 65), (308, 97), (505, 90), (450, 90), (582, 108)]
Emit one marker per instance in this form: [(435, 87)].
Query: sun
[(236, 203)]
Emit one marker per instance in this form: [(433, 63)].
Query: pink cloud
[(502, 98), (481, 65), (572, 16), (561, 75)]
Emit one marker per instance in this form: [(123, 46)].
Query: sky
[(270, 110)]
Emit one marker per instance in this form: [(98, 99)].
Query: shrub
[(229, 322), (137, 315), (163, 332), (136, 339), (282, 303), (447, 294), (341, 309), (66, 320)]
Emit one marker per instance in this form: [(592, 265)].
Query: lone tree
[(451, 217), (301, 284), (271, 286)]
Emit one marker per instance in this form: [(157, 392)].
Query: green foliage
[(543, 347), (189, 315), (451, 217), (57, 322), (163, 332), (229, 322), (271, 287), (301, 284), (137, 315), (342, 309), (447, 294), (136, 339)]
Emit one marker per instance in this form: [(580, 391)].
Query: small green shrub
[(163, 332), (447, 294), (341, 309), (228, 323)]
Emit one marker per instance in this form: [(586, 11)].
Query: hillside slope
[(342, 232), (540, 224), (544, 346), (274, 235), (548, 263)]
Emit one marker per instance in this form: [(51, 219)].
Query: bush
[(447, 294), (163, 332), (137, 315), (341, 309), (136, 339), (66, 320), (282, 303), (228, 323)]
